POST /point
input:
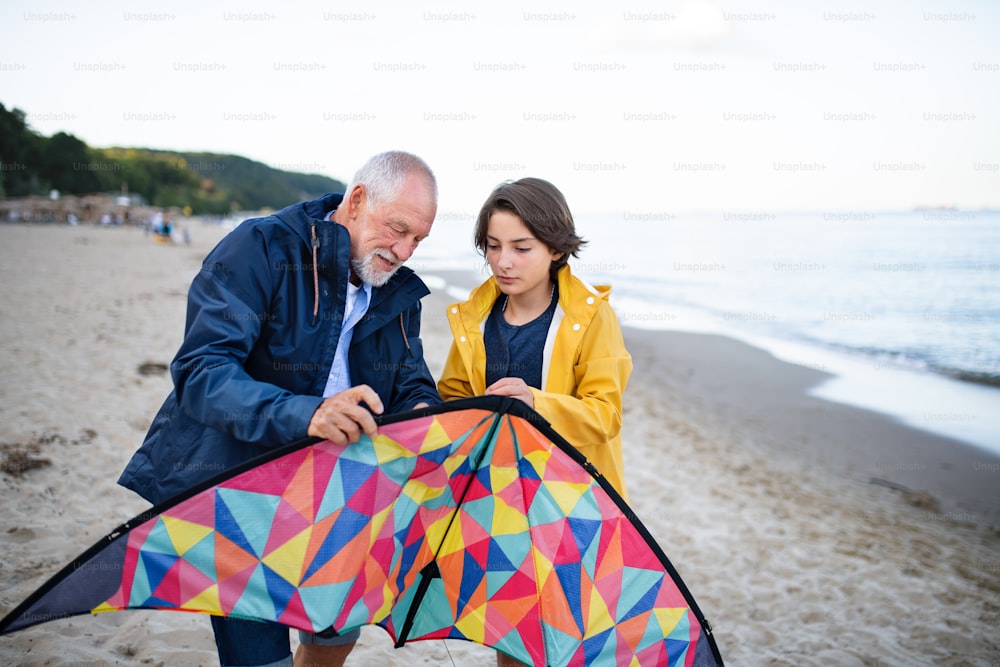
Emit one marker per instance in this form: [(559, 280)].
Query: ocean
[(901, 308)]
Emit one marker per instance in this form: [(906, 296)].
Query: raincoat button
[(454, 310), (590, 301), (576, 327), (462, 339)]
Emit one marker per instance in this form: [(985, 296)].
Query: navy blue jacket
[(259, 342)]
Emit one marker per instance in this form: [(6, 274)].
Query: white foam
[(457, 292), (434, 282), (924, 400)]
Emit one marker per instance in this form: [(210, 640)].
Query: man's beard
[(366, 270)]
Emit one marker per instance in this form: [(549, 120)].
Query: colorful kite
[(473, 520)]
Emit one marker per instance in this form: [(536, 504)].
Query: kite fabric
[(471, 520)]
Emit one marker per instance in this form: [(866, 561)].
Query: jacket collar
[(318, 209), (576, 296), (302, 215), (403, 291)]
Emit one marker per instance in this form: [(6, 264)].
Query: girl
[(536, 332)]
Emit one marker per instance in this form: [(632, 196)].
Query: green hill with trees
[(208, 183)]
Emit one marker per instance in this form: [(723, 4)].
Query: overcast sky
[(642, 106)]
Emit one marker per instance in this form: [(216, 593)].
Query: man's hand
[(341, 419), (514, 387)]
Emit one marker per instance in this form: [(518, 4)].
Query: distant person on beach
[(536, 332), (265, 361)]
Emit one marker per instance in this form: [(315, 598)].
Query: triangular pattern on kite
[(471, 520)]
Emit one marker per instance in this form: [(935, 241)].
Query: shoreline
[(759, 493)]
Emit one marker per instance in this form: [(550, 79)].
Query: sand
[(762, 496)]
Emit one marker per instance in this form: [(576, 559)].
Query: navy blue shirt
[(516, 350)]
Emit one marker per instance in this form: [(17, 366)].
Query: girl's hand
[(514, 387)]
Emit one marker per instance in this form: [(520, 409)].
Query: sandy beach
[(810, 533)]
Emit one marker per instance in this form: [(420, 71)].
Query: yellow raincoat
[(585, 366)]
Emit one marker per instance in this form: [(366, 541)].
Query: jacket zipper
[(315, 248)]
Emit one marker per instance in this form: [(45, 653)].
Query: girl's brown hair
[(544, 211)]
